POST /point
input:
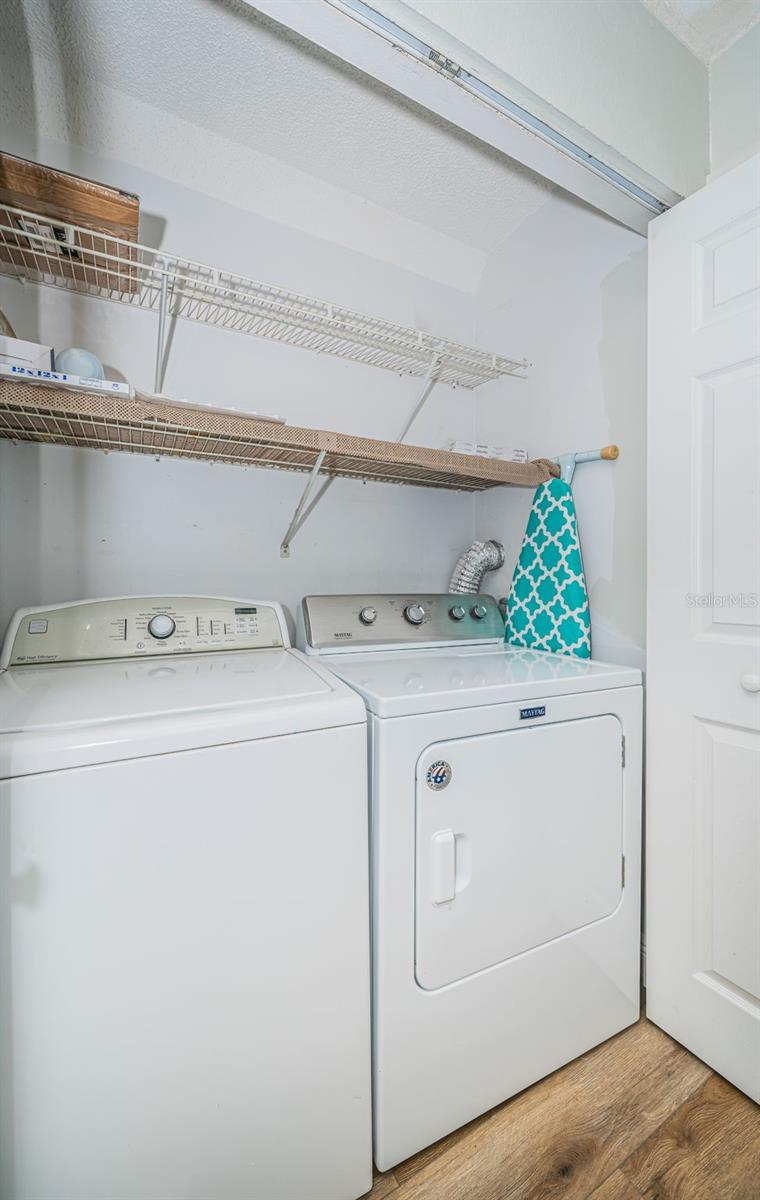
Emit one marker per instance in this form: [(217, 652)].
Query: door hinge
[(622, 750), (622, 871), (444, 64)]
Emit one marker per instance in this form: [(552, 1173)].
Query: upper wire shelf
[(42, 250)]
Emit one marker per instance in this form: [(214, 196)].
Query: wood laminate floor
[(638, 1118)]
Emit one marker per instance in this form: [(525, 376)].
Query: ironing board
[(547, 607)]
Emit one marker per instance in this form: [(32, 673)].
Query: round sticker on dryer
[(438, 775)]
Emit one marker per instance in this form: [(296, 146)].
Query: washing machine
[(505, 834), (185, 929)]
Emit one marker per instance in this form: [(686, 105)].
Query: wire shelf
[(41, 250), (35, 413)]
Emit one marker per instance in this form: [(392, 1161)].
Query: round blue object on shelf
[(75, 361)]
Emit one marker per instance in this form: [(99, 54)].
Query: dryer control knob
[(457, 613), (415, 614), (161, 626), (368, 615), (479, 611)]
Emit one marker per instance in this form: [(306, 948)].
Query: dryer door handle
[(443, 866)]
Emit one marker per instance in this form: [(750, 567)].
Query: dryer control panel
[(397, 621), (141, 627)]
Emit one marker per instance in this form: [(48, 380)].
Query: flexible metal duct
[(473, 564)]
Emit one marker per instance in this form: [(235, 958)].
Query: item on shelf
[(59, 379), (16, 353), (159, 398), (55, 204), (483, 450), (76, 361)]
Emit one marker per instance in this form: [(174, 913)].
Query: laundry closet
[(360, 306), (302, 174)]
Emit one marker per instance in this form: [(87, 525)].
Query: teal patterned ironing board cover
[(547, 608)]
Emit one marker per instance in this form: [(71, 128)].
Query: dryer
[(185, 935), (505, 842)]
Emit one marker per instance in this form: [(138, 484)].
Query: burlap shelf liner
[(59, 416)]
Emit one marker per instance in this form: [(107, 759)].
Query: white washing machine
[(505, 833), (184, 936)]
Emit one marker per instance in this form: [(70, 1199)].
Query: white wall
[(735, 103), (570, 287), (607, 66)]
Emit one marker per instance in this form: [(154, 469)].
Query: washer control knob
[(479, 611), (414, 613), (161, 626), (457, 613), (368, 615)]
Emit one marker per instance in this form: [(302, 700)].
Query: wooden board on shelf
[(68, 198), (57, 416), (62, 200)]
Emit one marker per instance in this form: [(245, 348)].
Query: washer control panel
[(330, 623), (141, 627)]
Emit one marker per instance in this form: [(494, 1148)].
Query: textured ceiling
[(224, 68), (707, 27)]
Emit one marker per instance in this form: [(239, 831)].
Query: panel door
[(519, 841), (703, 728)]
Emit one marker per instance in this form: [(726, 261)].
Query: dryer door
[(519, 841)]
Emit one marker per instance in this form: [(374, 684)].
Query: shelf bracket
[(163, 299), (310, 483), (428, 383)]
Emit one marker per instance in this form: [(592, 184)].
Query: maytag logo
[(530, 714), (343, 635)]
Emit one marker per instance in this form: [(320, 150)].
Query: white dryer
[(505, 833), (185, 929)]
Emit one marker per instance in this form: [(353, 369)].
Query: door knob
[(750, 683)]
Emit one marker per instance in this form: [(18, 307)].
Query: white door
[(703, 726), (519, 842)]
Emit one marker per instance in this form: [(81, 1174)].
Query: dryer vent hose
[(473, 564)]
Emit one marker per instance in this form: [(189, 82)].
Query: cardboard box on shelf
[(17, 353), (60, 379), (506, 453)]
